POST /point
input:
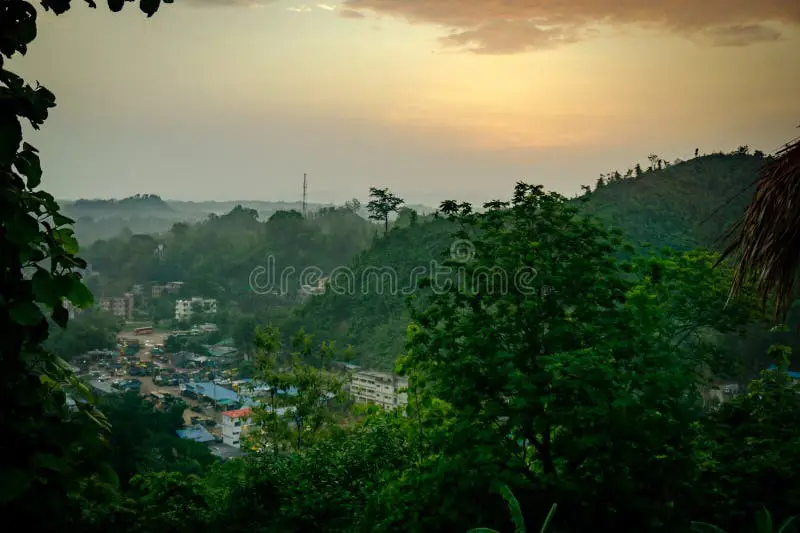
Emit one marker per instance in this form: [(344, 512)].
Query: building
[(121, 306), (173, 287), (157, 290), (185, 308), (197, 433), (137, 290), (234, 423), (379, 388)]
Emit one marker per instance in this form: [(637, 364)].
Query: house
[(378, 388), (157, 290), (196, 433), (185, 308), (103, 387), (137, 289), (120, 306), (234, 423), (173, 287)]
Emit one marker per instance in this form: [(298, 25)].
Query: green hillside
[(683, 206)]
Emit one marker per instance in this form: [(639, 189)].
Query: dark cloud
[(507, 26)]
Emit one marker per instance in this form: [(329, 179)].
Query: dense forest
[(558, 371)]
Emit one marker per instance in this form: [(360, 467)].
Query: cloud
[(326, 7), (740, 35), (509, 26), (301, 9), (351, 14)]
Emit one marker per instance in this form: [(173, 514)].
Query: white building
[(234, 423), (185, 308), (379, 388)]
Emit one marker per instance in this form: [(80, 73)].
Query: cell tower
[(305, 190)]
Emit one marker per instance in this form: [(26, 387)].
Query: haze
[(432, 98)]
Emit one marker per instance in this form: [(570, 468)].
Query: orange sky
[(433, 98)]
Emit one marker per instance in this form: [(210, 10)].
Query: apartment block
[(185, 308), (121, 306), (379, 388)]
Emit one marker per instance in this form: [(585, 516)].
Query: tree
[(91, 330), (353, 205), (43, 446), (637, 170), (382, 204), (525, 370)]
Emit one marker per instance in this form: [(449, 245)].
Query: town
[(164, 368)]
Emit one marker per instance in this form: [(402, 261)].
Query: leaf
[(29, 165), (786, 523), (60, 315), (482, 530), (149, 7), (10, 137), (116, 5), (25, 313), (763, 521), (513, 506), (61, 220), (80, 295), (703, 527), (549, 517), (44, 288)]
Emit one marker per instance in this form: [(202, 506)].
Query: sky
[(435, 99)]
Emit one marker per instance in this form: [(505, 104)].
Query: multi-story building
[(137, 289), (185, 308), (234, 424), (173, 287), (121, 306), (379, 388), (157, 290)]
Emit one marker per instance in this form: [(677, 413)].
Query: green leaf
[(549, 517), (61, 220), (25, 313), (29, 165), (48, 461), (703, 527), (786, 523), (80, 295), (482, 530), (45, 289), (764, 521)]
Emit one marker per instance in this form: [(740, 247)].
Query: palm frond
[(767, 238)]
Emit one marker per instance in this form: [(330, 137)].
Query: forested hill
[(686, 205)]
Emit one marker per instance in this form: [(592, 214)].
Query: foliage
[(687, 205), (766, 235), (44, 444), (382, 204), (91, 330)]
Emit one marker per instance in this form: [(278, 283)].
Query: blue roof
[(793, 375), (213, 391), (196, 433)]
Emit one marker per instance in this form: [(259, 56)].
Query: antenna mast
[(305, 189)]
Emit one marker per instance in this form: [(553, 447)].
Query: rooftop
[(196, 433), (237, 413)]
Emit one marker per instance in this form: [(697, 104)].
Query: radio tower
[(305, 188)]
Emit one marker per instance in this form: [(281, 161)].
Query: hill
[(687, 205), (684, 206)]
